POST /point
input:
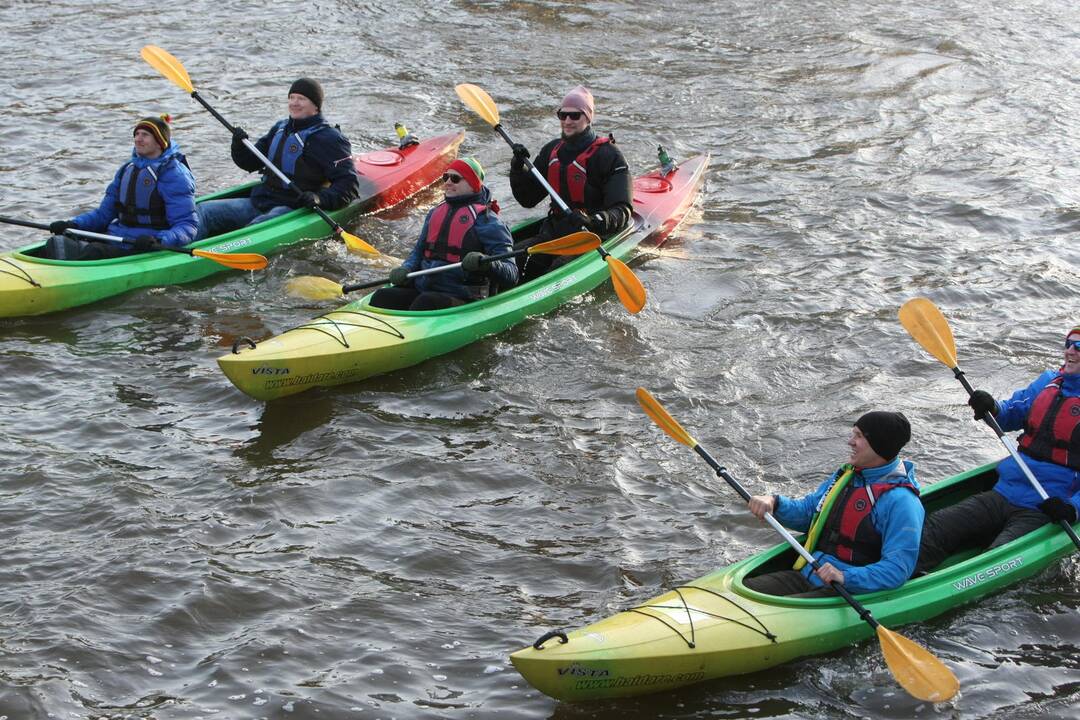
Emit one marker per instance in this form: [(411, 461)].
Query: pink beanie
[(579, 99)]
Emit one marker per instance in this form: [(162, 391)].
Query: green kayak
[(714, 626), (359, 341), (31, 285)]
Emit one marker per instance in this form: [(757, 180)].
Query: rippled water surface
[(174, 549)]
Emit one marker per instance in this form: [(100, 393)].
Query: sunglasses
[(451, 177), (1072, 343), (569, 114)]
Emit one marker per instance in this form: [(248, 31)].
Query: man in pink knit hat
[(589, 173)]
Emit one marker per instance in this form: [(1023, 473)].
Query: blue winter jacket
[(898, 515), (489, 233), (175, 184), (1058, 480)]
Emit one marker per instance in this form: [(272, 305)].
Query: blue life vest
[(139, 204), (286, 149)]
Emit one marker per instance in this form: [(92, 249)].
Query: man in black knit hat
[(311, 152), (863, 524)]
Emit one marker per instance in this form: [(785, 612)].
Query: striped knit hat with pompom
[(158, 127)]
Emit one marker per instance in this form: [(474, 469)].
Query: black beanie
[(886, 432), (159, 128), (311, 89)]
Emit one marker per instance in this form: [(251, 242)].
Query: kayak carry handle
[(242, 340), (539, 644)]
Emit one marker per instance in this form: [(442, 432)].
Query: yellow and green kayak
[(358, 341), (32, 285), (715, 626)]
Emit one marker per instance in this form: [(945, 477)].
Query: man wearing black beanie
[(311, 152), (863, 534)]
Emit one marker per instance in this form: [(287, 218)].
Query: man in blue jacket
[(150, 200), (465, 228), (307, 149), (1048, 411), (863, 524)]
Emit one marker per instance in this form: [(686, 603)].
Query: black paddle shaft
[(722, 472), (993, 423)]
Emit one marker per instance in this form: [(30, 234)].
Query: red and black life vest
[(569, 180), (849, 533), (1052, 427), (448, 235)]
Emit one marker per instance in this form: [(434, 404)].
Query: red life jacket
[(849, 533), (448, 235), (569, 180), (1052, 427)]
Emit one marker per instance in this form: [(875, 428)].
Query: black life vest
[(569, 180), (1052, 427)]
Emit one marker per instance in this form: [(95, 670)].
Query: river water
[(174, 549)]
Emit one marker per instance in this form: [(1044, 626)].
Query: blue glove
[(399, 276)]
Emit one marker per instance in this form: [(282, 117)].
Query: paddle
[(173, 70), (318, 288), (924, 322), (627, 286), (914, 667), (237, 261)]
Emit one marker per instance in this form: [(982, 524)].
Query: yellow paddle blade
[(168, 66), (355, 244), (238, 261), (572, 244), (627, 286), (479, 102), (916, 669), (311, 287), (922, 319), (662, 417)]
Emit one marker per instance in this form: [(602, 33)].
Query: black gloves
[(474, 262), (982, 403), (60, 227), (521, 153), (399, 276), (592, 223), (1057, 510), (144, 243), (239, 135), (309, 199)]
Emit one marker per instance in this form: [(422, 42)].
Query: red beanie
[(470, 169)]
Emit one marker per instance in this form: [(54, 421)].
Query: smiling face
[(455, 185), (146, 145), (862, 455), (300, 107), (570, 126), (1072, 354)]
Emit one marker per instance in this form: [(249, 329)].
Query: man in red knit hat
[(465, 228)]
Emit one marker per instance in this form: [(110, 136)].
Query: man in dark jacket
[(310, 151), (588, 172)]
